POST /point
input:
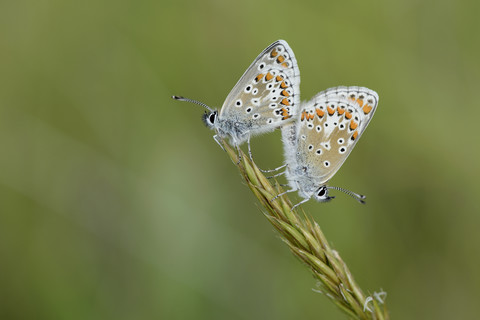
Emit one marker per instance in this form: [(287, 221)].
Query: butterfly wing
[(265, 96), (328, 128)]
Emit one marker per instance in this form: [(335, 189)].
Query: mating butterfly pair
[(317, 135)]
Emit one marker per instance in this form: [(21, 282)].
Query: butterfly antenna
[(192, 101), (359, 197)]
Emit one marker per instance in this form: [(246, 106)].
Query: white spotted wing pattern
[(325, 132), (264, 98)]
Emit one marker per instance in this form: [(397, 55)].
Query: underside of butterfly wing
[(328, 128), (267, 94)]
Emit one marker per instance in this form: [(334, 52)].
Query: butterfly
[(263, 99), (324, 132)]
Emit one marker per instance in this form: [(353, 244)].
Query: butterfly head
[(321, 194)]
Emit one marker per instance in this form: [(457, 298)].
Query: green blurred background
[(116, 203)]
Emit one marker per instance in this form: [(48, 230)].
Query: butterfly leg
[(276, 175), (281, 194), (274, 170), (301, 202), (250, 150), (261, 170), (239, 155), (217, 140), (281, 184)]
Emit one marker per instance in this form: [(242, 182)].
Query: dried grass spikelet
[(307, 242)]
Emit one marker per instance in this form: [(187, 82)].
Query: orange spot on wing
[(330, 110), (274, 53), (285, 93), (280, 59), (340, 111), (355, 134), (360, 102), (285, 102), (285, 65), (311, 116), (283, 85), (367, 109), (348, 115), (303, 116), (353, 125), (260, 76), (279, 78), (269, 76), (285, 114), (320, 113)]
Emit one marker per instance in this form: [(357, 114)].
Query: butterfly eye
[(322, 192), (212, 117), (209, 119)]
